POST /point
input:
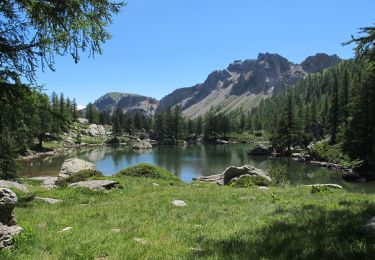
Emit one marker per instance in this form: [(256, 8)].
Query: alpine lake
[(188, 162)]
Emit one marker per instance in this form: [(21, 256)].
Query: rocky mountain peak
[(127, 102), (319, 61), (245, 83)]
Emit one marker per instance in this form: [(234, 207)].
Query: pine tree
[(8, 169), (334, 111), (44, 117), (75, 110), (160, 126), (92, 114), (117, 124), (284, 136)]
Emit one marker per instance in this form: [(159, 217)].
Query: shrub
[(147, 170), (82, 175)]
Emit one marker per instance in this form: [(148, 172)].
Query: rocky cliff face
[(244, 83), (131, 103)]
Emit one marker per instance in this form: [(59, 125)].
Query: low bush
[(147, 170)]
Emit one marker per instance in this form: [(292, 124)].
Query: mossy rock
[(82, 175), (246, 181), (147, 170)]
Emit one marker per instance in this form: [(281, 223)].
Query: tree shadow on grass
[(309, 232)]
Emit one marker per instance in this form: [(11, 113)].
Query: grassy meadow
[(138, 221)]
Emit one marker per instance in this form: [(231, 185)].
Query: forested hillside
[(337, 104)]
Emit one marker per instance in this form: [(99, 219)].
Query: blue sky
[(158, 46)]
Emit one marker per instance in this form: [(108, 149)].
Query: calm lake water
[(188, 162)]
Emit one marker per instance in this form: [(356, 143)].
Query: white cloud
[(80, 107)]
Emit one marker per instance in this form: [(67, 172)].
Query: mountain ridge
[(243, 84)]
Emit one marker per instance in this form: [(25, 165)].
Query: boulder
[(179, 203), (8, 200), (8, 223), (95, 130), (95, 184), (260, 150), (83, 121), (69, 143), (219, 141), (48, 182), (6, 235), (370, 226), (298, 157), (49, 200), (232, 173), (143, 144), (328, 185), (74, 165), (12, 184)]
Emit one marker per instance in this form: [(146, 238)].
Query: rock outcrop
[(83, 121), (260, 150), (8, 223), (74, 165), (127, 103), (142, 145), (13, 184), (96, 130), (95, 184), (232, 173)]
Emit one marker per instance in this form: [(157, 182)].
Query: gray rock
[(140, 240), (12, 184), (96, 130), (83, 121), (179, 203), (49, 200), (65, 229), (143, 144), (328, 185), (8, 223), (8, 200), (50, 183), (298, 156), (74, 165), (370, 226), (234, 172), (6, 235), (95, 184), (219, 141), (69, 143), (260, 150)]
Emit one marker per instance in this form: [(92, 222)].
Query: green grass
[(51, 145), (217, 223)]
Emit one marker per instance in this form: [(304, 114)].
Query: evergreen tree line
[(27, 118), (337, 103)]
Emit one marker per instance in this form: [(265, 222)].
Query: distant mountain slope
[(244, 83), (131, 103)]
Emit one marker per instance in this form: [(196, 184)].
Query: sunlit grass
[(217, 223)]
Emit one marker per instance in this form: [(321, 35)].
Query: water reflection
[(186, 162)]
